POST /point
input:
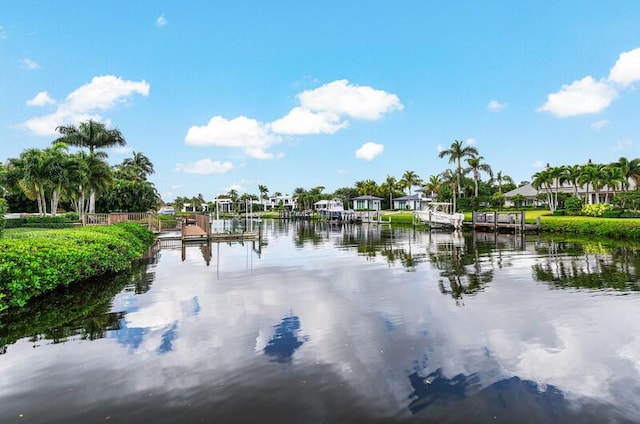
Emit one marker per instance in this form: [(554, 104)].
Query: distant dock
[(502, 221)]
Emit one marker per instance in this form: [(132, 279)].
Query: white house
[(224, 204), (603, 195), (334, 204), (413, 202), (286, 201), (367, 202)]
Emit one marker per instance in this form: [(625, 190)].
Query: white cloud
[(622, 145), (176, 186), (300, 121), (41, 99), (342, 171), (539, 164), (580, 97), (496, 106), (241, 132), (240, 187), (205, 166), (368, 151), (472, 141), (342, 98), (439, 148), (102, 93), (161, 21), (599, 125), (29, 64), (627, 68), (121, 150)]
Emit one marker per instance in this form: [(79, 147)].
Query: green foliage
[(58, 221), (559, 212), (596, 209), (587, 226), (3, 211), (612, 214), (627, 200), (33, 263), (573, 205)]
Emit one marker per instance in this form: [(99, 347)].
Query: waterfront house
[(367, 202)]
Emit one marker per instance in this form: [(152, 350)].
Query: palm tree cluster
[(80, 177), (592, 177)]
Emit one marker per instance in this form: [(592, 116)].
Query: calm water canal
[(359, 324)]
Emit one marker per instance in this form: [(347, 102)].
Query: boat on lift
[(439, 215)]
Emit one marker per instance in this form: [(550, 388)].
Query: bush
[(596, 209), (33, 263), (630, 214), (617, 228), (3, 211), (611, 214), (573, 205), (559, 212)]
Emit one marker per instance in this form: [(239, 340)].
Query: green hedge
[(3, 211), (32, 263), (605, 227)]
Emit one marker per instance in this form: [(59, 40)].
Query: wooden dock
[(502, 221)]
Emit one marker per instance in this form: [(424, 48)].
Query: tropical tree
[(389, 187), (434, 184), (409, 180), (94, 136), (456, 152), (476, 165), (366, 187), (264, 192), (500, 179), (138, 166), (28, 171), (630, 170), (544, 180), (450, 179), (572, 176), (589, 177)]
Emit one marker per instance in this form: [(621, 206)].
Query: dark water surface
[(338, 325)]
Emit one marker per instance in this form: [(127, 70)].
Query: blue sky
[(288, 94)]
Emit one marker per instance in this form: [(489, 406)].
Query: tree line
[(80, 180)]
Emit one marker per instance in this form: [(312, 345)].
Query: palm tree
[(456, 153), (410, 179), (572, 176), (366, 187), (630, 170), (450, 178), (390, 184), (499, 178), (476, 165), (93, 135), (29, 171), (140, 165), (264, 191), (543, 180), (433, 185), (557, 174), (589, 175)]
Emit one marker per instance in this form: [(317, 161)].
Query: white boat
[(437, 214)]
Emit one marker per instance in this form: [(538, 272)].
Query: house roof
[(411, 197), (367, 197), (526, 190)]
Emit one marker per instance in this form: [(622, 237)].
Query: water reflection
[(589, 265), (338, 324), (81, 310), (285, 341)]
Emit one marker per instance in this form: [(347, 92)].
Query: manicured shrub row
[(32, 263), (58, 221), (605, 227)]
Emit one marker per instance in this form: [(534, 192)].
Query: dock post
[(522, 226), (495, 220)]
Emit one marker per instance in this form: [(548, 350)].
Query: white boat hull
[(435, 218)]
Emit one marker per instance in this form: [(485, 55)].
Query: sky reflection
[(382, 336)]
